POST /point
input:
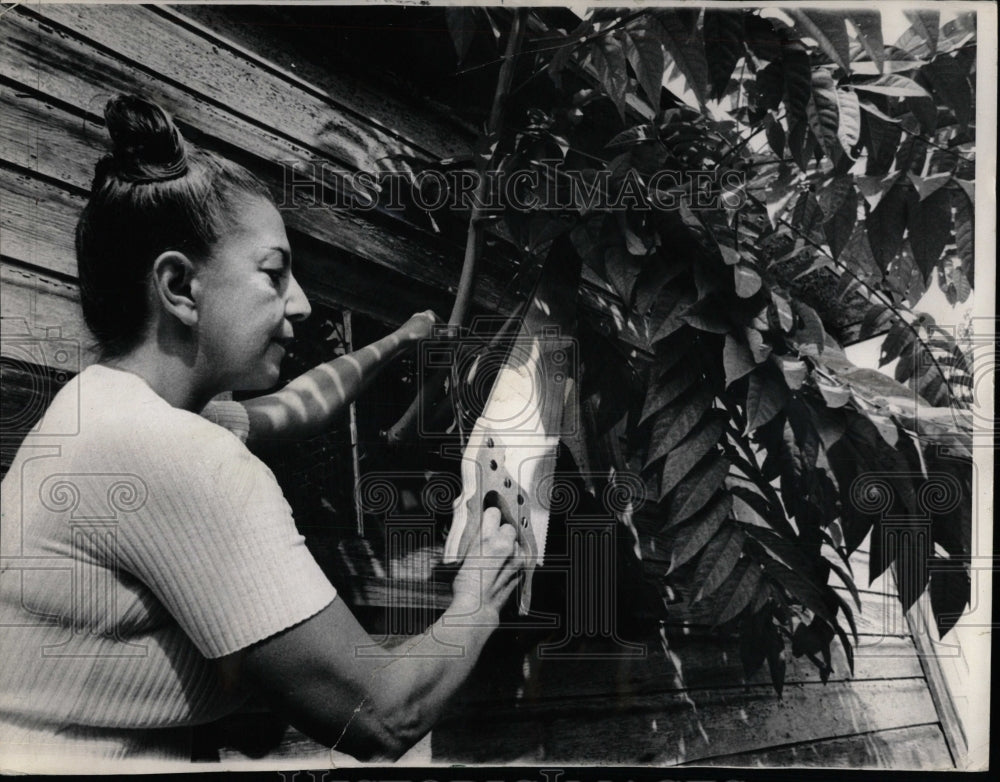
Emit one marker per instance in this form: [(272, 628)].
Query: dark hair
[(153, 193)]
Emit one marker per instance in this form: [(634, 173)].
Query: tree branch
[(431, 390)]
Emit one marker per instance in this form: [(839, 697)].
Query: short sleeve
[(217, 544), (229, 415)]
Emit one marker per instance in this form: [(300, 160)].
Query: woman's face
[(248, 300)]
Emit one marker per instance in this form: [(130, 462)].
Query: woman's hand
[(418, 327), (489, 572)]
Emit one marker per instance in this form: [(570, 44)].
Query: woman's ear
[(173, 275)]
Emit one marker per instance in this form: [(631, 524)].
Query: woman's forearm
[(310, 403), (413, 690)]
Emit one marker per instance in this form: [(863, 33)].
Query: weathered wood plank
[(694, 664), (400, 114), (920, 747), (38, 223), (38, 220), (920, 619), (72, 72), (664, 730), (50, 310), (880, 614), (233, 81), (76, 74)]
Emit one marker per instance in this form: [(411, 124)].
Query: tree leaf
[(662, 392), (857, 254), (894, 85), (798, 81), (831, 194), (718, 560), (881, 139), (849, 130), (707, 315), (699, 530), (801, 589), (623, 270), (811, 639), (899, 338), (801, 144), (954, 282), (950, 594), (848, 581), (723, 46), (775, 657), (747, 281), (645, 51), (778, 195), (950, 81), (462, 24), (812, 332), (608, 58), (759, 349), (869, 27), (964, 231), (697, 488), (930, 229), (691, 449), (925, 24), (834, 395), (676, 420), (886, 224), (784, 311), (675, 316), (737, 591), (753, 650), (926, 186), (635, 134), (765, 399), (794, 372), (828, 30), (686, 51), (762, 38), (775, 133), (736, 360), (840, 227), (769, 86)]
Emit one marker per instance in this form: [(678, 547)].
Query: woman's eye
[(277, 276)]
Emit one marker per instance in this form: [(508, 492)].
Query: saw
[(509, 459)]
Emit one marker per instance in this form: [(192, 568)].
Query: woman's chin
[(263, 379)]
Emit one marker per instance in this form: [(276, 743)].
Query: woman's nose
[(297, 306)]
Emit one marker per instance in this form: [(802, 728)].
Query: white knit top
[(138, 541)]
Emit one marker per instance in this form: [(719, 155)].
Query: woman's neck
[(171, 376)]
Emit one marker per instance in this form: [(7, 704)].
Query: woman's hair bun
[(147, 145)]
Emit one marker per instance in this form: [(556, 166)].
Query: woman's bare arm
[(334, 683), (308, 405)]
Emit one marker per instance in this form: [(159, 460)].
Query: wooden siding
[(58, 65)]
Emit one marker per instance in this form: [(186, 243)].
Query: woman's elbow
[(381, 733)]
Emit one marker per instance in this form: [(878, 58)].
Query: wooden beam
[(426, 129), (41, 314), (667, 730), (920, 747)]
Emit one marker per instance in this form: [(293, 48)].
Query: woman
[(153, 577)]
